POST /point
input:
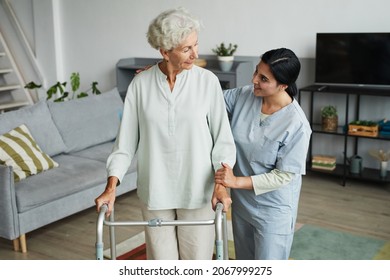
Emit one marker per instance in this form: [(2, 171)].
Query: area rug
[(133, 248), (310, 243), (316, 243)]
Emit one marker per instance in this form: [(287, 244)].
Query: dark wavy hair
[(285, 67)]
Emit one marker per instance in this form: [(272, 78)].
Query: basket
[(363, 130)]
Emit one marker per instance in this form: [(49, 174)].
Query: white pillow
[(19, 150)]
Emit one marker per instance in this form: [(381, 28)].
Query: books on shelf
[(323, 162)]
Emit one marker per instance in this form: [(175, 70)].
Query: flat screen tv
[(353, 59)]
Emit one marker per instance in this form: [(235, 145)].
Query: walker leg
[(220, 232), (112, 237), (225, 237), (99, 232)]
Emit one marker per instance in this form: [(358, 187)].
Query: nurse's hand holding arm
[(225, 176), (262, 183)]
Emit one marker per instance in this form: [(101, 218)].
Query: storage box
[(323, 162), (363, 130)]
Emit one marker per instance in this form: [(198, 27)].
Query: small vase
[(383, 169), (225, 63)]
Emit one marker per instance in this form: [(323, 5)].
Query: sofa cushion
[(98, 152), (73, 175), (38, 119), (88, 121), (19, 150), (101, 153)]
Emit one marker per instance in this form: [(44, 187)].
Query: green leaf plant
[(59, 90), (222, 50), (329, 111)]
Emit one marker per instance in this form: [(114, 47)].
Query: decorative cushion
[(88, 121), (40, 123), (19, 150)]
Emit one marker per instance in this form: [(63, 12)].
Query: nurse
[(272, 135)]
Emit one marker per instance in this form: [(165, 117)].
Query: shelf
[(366, 174), (358, 90), (317, 128), (350, 142), (238, 76)]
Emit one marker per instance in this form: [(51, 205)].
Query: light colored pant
[(180, 242)]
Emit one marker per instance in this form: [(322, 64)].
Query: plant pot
[(225, 63), (330, 124)]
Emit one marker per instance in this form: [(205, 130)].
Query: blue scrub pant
[(252, 244)]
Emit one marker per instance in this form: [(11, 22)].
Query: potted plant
[(225, 55), (58, 90), (329, 118)]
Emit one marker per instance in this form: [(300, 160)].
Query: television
[(353, 59)]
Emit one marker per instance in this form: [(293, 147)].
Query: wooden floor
[(360, 207)]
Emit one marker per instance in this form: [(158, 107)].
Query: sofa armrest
[(9, 227)]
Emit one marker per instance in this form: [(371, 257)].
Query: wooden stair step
[(9, 87), (6, 71), (12, 105)]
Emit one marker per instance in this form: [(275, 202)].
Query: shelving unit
[(239, 75), (341, 170), (13, 95)]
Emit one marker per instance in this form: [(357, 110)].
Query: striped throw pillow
[(19, 150)]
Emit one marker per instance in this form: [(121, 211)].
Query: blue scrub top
[(280, 141)]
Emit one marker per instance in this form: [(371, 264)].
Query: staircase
[(13, 95)]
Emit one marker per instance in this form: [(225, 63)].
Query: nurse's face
[(264, 81)]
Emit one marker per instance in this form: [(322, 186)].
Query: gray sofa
[(78, 135)]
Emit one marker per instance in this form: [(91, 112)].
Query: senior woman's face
[(183, 56)]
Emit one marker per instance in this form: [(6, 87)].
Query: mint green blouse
[(181, 137)]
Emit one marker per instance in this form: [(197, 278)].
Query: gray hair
[(170, 28)]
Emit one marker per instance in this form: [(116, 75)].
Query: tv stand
[(350, 142)]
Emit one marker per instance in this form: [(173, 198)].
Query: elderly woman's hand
[(221, 195), (108, 196)]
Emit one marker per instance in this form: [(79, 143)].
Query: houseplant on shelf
[(329, 118), (225, 55), (59, 92)]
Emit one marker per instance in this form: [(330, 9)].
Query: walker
[(221, 243)]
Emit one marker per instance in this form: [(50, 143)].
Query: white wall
[(90, 36), (97, 33)]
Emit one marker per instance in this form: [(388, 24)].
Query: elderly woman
[(175, 117)]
